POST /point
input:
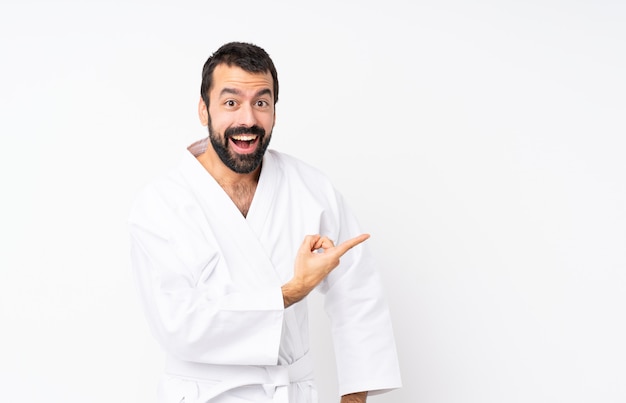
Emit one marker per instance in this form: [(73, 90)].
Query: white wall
[(482, 144)]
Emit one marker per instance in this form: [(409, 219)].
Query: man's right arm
[(360, 397), (316, 258)]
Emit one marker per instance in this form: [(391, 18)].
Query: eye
[(230, 103), (261, 103)]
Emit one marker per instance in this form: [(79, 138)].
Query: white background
[(481, 143)]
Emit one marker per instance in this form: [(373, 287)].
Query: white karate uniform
[(210, 282)]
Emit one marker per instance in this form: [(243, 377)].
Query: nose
[(246, 116)]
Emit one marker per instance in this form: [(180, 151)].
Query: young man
[(224, 252)]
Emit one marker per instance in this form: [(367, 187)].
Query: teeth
[(244, 137)]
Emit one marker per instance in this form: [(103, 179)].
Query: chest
[(241, 195)]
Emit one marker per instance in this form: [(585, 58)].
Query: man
[(224, 253)]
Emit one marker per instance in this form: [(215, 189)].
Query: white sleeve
[(192, 309), (362, 332)]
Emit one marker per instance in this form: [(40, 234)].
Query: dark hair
[(247, 56)]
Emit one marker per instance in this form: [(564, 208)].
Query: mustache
[(254, 129)]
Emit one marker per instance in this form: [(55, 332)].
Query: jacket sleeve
[(193, 308), (362, 331)]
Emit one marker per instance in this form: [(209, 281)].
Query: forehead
[(225, 76)]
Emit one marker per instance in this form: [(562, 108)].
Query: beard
[(239, 163)]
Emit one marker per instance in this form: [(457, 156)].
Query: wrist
[(359, 397), (292, 293)]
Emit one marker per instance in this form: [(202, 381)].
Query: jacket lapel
[(238, 242)]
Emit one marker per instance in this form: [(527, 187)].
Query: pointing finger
[(351, 243)]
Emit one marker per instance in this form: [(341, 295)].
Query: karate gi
[(210, 282)]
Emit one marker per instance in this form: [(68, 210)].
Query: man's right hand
[(316, 257)]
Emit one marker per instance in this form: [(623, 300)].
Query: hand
[(316, 258)]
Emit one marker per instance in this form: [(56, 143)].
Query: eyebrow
[(234, 91)]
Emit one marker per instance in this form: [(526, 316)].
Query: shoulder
[(305, 182), (160, 197), (293, 167)]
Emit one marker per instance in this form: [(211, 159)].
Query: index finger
[(350, 243)]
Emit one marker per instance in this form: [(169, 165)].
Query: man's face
[(240, 116)]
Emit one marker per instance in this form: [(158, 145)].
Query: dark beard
[(240, 163)]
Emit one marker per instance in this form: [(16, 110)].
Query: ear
[(203, 113)]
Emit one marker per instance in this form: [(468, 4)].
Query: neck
[(224, 175), (239, 187)]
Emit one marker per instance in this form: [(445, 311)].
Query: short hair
[(246, 56)]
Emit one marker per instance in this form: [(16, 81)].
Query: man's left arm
[(361, 326), (359, 397)]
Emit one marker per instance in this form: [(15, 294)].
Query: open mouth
[(244, 143)]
